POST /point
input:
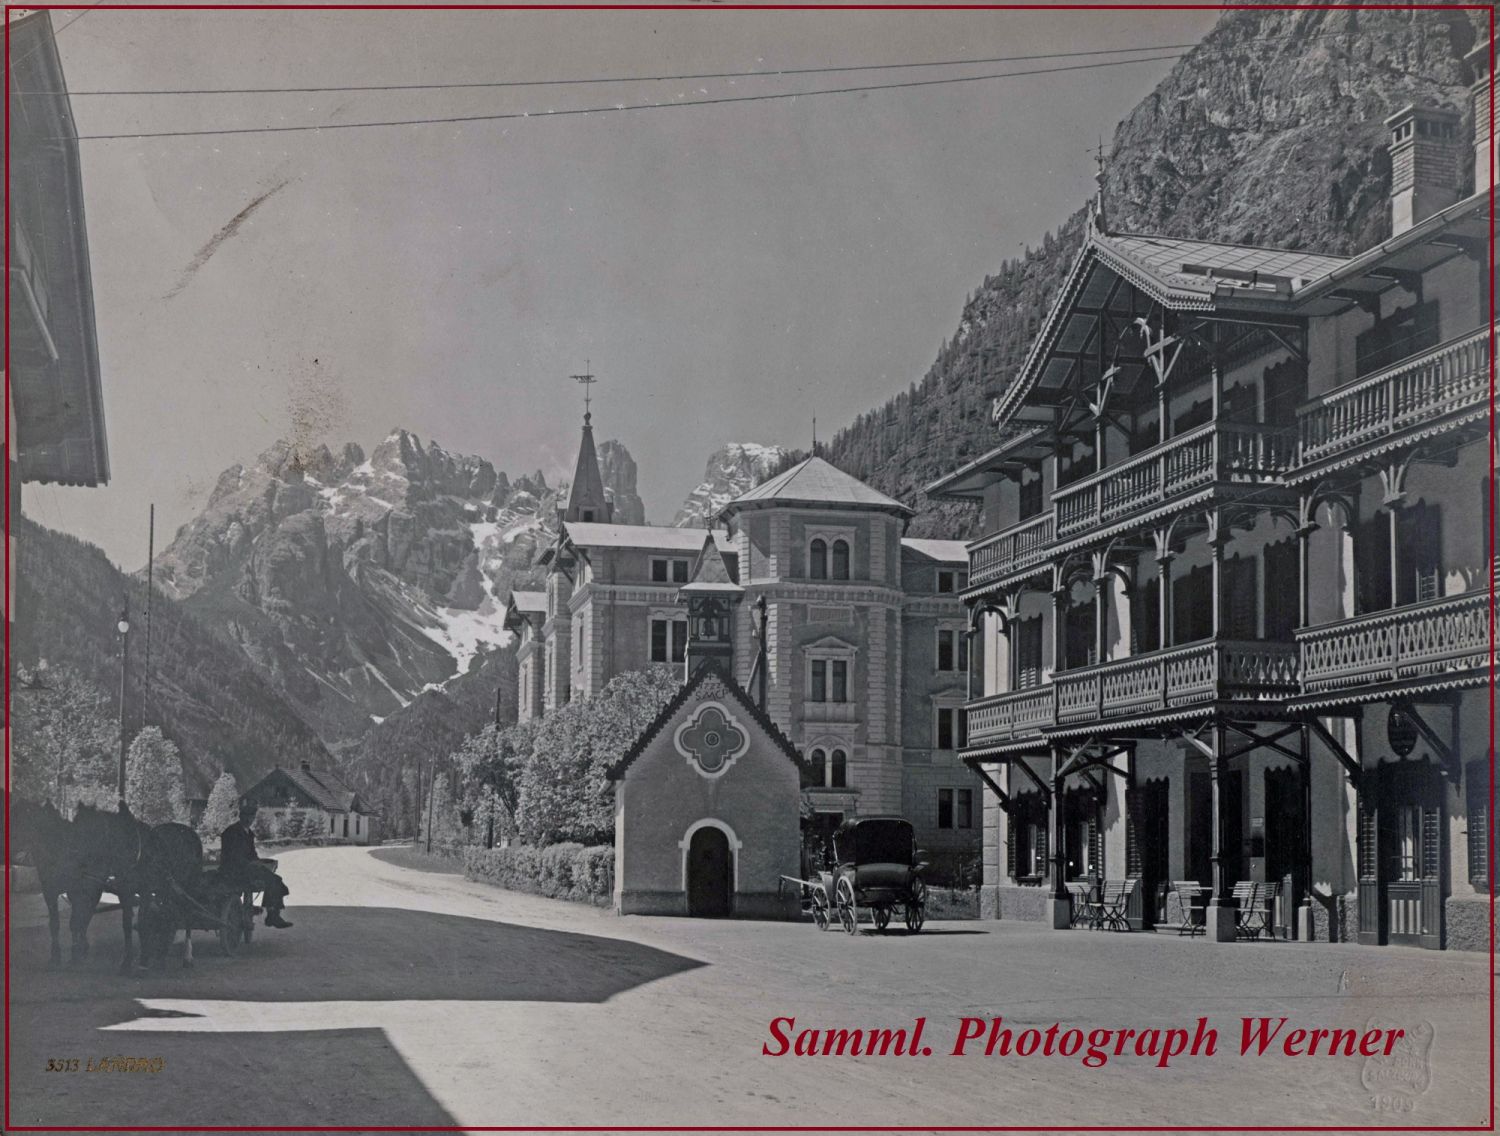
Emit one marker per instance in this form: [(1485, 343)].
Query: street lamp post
[(123, 627)]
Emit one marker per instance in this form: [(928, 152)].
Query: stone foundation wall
[(1007, 901), (1335, 918), (1467, 922)]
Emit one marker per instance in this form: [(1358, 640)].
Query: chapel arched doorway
[(710, 872)]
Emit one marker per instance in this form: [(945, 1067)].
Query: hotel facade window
[(830, 768), (669, 571), (952, 649), (668, 639), (955, 808), (828, 680), (949, 728)]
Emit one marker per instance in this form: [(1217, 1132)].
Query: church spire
[(586, 499)]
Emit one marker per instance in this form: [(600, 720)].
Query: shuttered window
[(1480, 824)]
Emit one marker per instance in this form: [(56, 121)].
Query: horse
[(43, 833), (154, 867)]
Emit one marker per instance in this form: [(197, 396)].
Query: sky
[(727, 271)]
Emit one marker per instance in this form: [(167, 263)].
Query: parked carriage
[(876, 866)]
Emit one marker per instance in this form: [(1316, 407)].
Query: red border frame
[(938, 7)]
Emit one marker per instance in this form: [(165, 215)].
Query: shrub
[(558, 871)]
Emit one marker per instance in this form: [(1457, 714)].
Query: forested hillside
[(201, 691)]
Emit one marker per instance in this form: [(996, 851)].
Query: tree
[(223, 807), (153, 779), (65, 741), (562, 788)]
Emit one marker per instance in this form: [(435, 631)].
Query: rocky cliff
[(355, 583), (617, 468), (1269, 132), (732, 469)]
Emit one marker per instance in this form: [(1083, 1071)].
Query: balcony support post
[(1101, 616), (1218, 539), (1221, 917), (1307, 525), (1304, 924), (1061, 905), (1059, 628), (1393, 506)]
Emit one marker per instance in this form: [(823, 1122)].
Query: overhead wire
[(616, 107), (599, 80)]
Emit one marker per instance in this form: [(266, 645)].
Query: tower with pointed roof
[(587, 501)]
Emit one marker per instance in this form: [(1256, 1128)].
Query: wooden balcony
[(1011, 550), (1003, 717), (1446, 381), (1208, 671), (1140, 686), (1214, 452), (1412, 642)]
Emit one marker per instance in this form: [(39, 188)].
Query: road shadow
[(303, 1078), (363, 954)]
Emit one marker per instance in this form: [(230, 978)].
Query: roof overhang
[(1009, 458), (54, 359)]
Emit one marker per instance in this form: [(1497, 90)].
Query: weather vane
[(587, 380)]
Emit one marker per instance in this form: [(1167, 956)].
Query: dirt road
[(412, 998)]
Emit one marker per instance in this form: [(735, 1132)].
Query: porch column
[(1101, 617), (1217, 540), (1393, 506), (1162, 425), (1221, 915), (1164, 601), (1304, 539), (1304, 920), (1062, 914), (1059, 630)]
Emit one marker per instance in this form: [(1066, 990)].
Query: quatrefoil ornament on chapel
[(711, 740)]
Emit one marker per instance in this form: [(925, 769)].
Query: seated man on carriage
[(239, 862)]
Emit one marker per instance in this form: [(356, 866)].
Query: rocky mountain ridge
[(733, 468), (354, 583)]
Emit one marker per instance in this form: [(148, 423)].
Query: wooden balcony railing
[(1001, 717), (1178, 676), (1011, 550), (1215, 451), (1448, 634), (1448, 378), (1138, 686)]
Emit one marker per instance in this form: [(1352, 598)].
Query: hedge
[(558, 871)]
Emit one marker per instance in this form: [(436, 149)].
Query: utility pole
[(123, 626), (150, 566), (431, 793)]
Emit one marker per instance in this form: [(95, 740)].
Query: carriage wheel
[(882, 918), (231, 929), (248, 912), (848, 913), (916, 906), (820, 909)]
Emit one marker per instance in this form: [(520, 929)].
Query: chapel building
[(849, 636)]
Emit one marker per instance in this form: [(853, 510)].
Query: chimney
[(306, 767), (1424, 164), (1484, 129)]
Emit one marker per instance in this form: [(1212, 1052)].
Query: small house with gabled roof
[(337, 811)]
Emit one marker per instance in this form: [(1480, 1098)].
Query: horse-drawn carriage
[(221, 904), (875, 866)]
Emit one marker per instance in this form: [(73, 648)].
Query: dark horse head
[(38, 829), (157, 867)]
